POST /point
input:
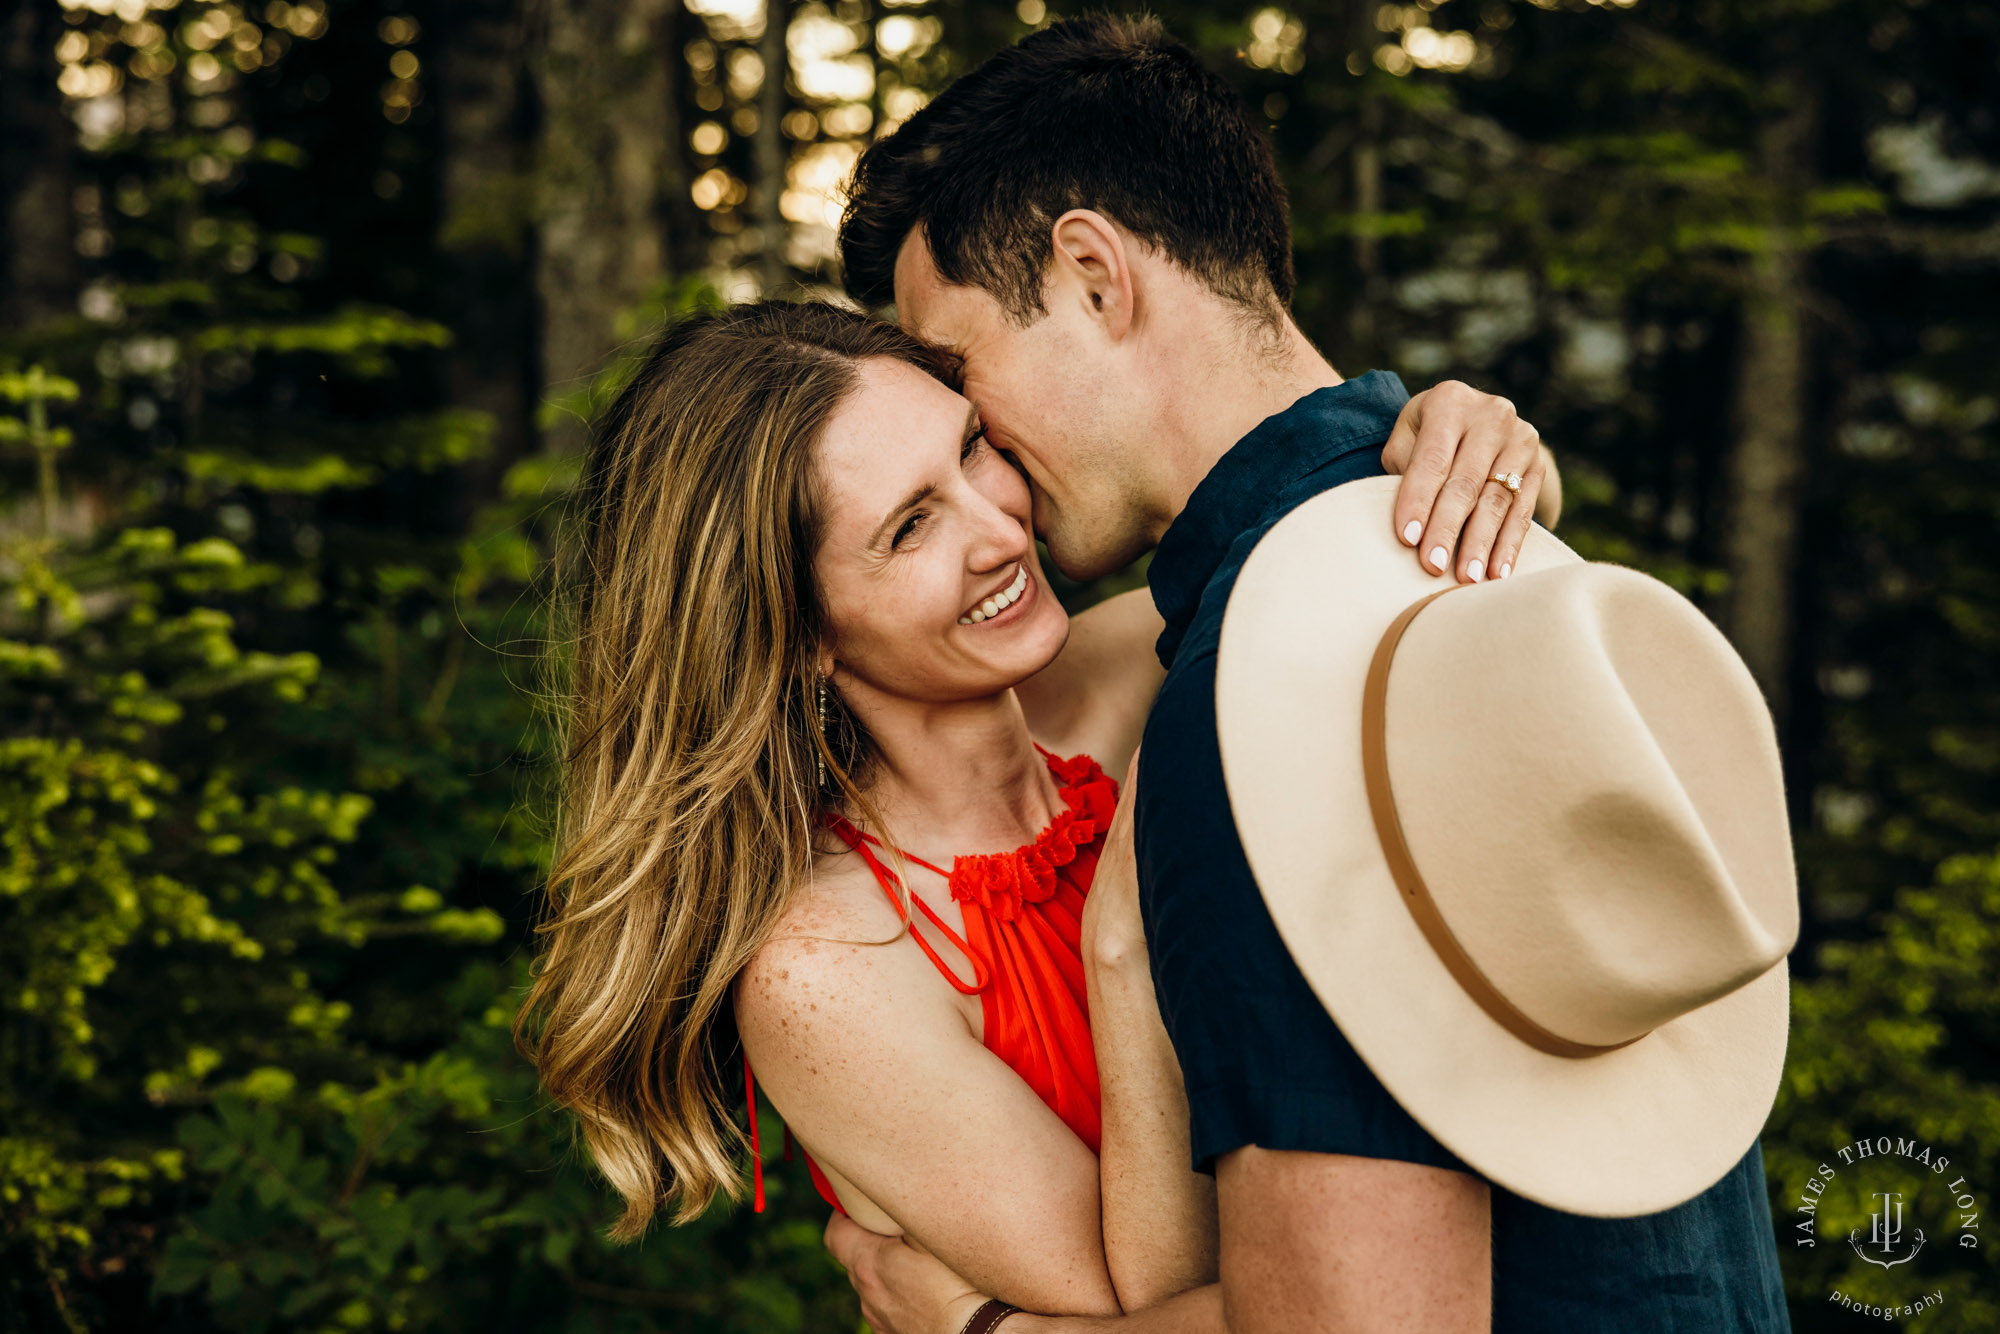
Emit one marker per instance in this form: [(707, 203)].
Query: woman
[(821, 698)]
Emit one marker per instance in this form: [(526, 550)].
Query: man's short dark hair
[(1102, 113)]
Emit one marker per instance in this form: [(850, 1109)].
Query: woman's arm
[(1159, 1214), (904, 1291), (875, 1068), (1094, 698)]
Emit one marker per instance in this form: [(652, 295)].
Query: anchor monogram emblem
[(1885, 1232)]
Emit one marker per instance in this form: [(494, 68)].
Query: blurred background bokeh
[(304, 308)]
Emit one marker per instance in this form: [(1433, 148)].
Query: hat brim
[(1633, 1131)]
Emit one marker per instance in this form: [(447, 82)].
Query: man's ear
[(1093, 267)]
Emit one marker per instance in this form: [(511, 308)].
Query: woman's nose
[(1001, 537)]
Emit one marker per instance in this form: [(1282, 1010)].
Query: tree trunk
[(1365, 186), (607, 164), (768, 149), (485, 111), (38, 265), (1767, 467)]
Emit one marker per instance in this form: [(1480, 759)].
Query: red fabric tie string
[(756, 1157), (861, 843)]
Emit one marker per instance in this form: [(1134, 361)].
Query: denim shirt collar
[(1249, 482)]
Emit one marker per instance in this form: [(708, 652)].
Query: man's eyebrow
[(927, 490)]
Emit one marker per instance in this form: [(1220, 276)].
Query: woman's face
[(927, 567)]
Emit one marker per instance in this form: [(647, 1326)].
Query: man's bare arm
[(906, 1290), (1195, 1312), (1330, 1242)]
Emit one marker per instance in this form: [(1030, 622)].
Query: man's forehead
[(916, 280), (956, 316)]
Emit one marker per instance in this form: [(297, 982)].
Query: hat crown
[(1589, 780), (1589, 786)]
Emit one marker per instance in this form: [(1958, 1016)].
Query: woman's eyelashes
[(911, 526)]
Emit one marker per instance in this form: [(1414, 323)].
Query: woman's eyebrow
[(928, 489), (910, 502)]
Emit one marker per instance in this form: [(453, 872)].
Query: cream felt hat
[(1557, 928)]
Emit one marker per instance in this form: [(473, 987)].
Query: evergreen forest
[(306, 307)]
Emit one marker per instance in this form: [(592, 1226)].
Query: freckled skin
[(841, 934)]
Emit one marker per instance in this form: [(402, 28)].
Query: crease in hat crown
[(1621, 897)]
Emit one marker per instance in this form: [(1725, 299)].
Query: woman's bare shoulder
[(828, 919), (831, 959)]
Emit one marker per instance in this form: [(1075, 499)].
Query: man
[(1095, 223)]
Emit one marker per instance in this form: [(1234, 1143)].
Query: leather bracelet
[(988, 1317)]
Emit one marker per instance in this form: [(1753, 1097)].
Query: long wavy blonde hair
[(690, 801)]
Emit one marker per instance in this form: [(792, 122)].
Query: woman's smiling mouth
[(992, 606)]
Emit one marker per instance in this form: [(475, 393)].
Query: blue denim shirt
[(1263, 1062)]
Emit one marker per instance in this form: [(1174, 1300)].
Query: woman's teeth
[(1000, 601)]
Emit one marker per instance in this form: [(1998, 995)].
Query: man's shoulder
[(1196, 656), (1182, 720)]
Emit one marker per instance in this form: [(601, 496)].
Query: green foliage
[(1893, 1038), (269, 829), (292, 998), (267, 840)]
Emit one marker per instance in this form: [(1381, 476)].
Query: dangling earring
[(819, 751)]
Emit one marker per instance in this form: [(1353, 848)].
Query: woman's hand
[(904, 1289), (1447, 444)]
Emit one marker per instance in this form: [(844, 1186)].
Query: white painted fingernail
[(1438, 557), (1506, 569), (1477, 570), (1412, 531)]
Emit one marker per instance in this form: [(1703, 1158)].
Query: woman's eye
[(910, 526), (973, 444)]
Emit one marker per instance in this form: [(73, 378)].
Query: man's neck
[(1223, 386)]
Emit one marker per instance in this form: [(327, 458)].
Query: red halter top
[(1023, 914)]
